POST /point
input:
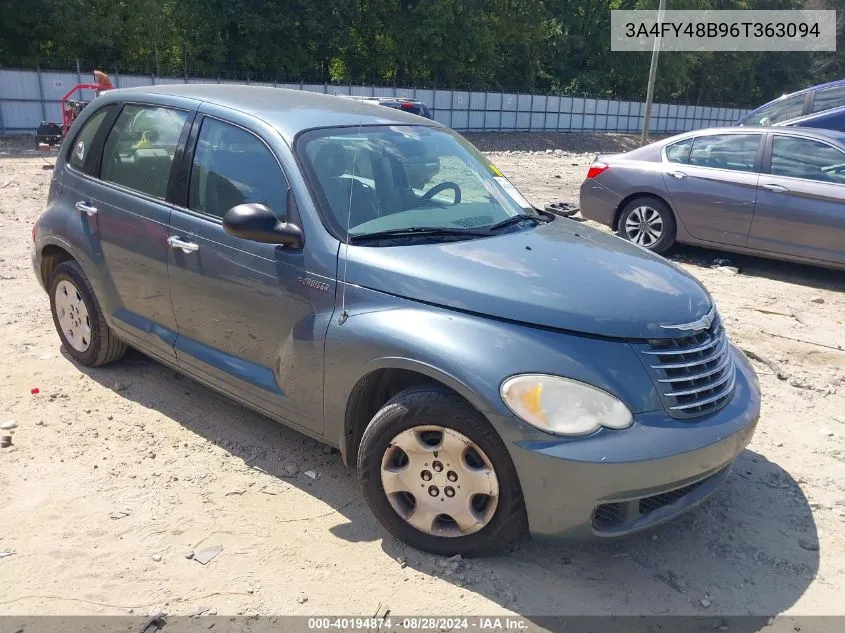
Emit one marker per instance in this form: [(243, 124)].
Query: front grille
[(694, 374)]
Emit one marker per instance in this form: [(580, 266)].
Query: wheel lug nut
[(433, 491), (437, 466), (426, 475), (452, 475), (450, 492)]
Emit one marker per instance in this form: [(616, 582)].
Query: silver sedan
[(773, 192)]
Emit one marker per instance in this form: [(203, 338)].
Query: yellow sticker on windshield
[(495, 170)]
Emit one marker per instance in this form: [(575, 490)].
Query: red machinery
[(51, 134)]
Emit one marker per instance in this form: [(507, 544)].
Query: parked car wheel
[(648, 222), (79, 319), (438, 476)]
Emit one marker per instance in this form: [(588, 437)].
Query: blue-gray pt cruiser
[(368, 277)]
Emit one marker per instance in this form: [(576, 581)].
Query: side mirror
[(257, 223)]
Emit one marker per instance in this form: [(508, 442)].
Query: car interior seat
[(342, 191)]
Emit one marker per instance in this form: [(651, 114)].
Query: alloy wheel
[(644, 226)]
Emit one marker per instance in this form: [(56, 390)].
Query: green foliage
[(557, 46)]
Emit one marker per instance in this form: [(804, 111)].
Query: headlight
[(563, 406)]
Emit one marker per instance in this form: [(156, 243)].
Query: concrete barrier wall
[(28, 97)]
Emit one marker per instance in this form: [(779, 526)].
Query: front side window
[(232, 167), (828, 98), (391, 178), (811, 160), (139, 150), (781, 110), (82, 144), (736, 152), (679, 152)]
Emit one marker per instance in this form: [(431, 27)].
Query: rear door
[(801, 200), (251, 318), (124, 198), (712, 183)]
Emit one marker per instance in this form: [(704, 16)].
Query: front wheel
[(438, 476), (648, 222)]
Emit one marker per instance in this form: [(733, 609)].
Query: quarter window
[(782, 110), (84, 141), (829, 98), (232, 167), (736, 152), (679, 152), (139, 150), (811, 160)]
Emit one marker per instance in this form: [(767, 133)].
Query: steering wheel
[(428, 195)]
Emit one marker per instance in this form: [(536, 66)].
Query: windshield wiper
[(519, 217), (435, 231)]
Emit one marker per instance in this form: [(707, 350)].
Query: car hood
[(561, 275)]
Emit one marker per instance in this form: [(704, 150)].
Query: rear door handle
[(770, 186), (677, 174), (187, 247), (84, 207)]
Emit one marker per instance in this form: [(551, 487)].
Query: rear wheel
[(648, 222), (79, 319), (437, 476)]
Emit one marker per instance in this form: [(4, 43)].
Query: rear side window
[(679, 152), (84, 141), (139, 150), (736, 152), (783, 110), (232, 167), (811, 160), (828, 98)]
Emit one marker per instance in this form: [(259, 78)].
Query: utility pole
[(652, 74)]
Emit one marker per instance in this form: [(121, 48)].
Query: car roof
[(288, 111), (803, 91), (819, 133)]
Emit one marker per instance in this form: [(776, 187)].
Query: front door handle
[(677, 174), (770, 186), (84, 207), (187, 247)]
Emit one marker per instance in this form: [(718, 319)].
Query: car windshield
[(391, 178)]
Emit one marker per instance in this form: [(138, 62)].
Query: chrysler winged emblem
[(703, 323)]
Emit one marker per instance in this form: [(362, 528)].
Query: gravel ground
[(116, 474)]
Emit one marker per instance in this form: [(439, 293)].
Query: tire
[(92, 346), (502, 524), (643, 209)]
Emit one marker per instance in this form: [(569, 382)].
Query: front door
[(124, 200), (246, 311), (713, 187), (801, 201)]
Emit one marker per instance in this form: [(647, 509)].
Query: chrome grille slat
[(709, 400), (694, 373), (698, 361), (676, 352), (707, 387), (722, 364)]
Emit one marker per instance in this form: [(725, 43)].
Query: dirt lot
[(116, 473)]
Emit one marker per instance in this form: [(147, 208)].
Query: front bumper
[(615, 483)]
